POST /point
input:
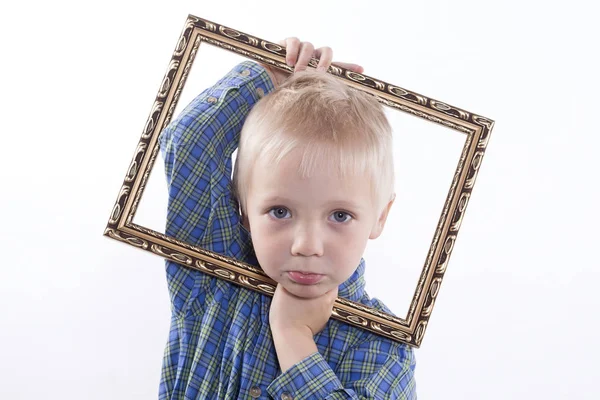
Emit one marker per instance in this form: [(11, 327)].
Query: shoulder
[(370, 364), (345, 342)]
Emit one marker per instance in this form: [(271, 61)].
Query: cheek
[(269, 245), (351, 237), (349, 249)]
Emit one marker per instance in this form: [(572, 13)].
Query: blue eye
[(278, 212), (341, 216)]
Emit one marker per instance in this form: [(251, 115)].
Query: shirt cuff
[(253, 81), (311, 378)]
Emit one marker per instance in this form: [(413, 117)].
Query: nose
[(307, 241)]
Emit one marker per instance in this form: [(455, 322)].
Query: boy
[(309, 215)]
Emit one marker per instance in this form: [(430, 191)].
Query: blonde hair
[(333, 126)]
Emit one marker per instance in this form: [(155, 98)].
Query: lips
[(305, 278)]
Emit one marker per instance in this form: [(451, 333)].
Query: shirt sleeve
[(197, 147), (375, 369)]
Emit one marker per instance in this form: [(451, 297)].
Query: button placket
[(255, 392)]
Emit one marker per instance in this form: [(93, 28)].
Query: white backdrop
[(84, 317)]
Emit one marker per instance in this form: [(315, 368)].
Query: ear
[(380, 223)]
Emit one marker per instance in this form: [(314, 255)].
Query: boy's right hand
[(298, 54)]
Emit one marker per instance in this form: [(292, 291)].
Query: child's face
[(318, 225)]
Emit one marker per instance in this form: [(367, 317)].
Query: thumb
[(333, 294)]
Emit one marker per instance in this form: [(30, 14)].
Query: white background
[(85, 317)]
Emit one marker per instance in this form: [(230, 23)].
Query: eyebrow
[(337, 203)]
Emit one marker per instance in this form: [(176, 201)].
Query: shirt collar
[(354, 288)]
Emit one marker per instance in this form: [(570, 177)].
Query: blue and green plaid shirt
[(220, 344)]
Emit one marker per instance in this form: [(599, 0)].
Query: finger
[(325, 55), (332, 298), (332, 294), (352, 67), (292, 48), (306, 52)]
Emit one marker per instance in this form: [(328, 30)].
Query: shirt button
[(246, 72), (255, 392), (260, 92), (286, 396), (212, 99)]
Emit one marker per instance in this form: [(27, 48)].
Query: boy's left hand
[(294, 321), (292, 313)]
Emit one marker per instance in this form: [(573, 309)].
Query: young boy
[(314, 181)]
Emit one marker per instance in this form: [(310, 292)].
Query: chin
[(305, 291)]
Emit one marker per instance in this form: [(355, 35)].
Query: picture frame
[(475, 128)]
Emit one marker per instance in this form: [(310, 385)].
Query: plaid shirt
[(220, 344)]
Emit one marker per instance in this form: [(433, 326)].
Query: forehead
[(323, 184)]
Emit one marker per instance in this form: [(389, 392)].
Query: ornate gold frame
[(476, 128)]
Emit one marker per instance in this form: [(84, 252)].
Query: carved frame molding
[(477, 130)]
